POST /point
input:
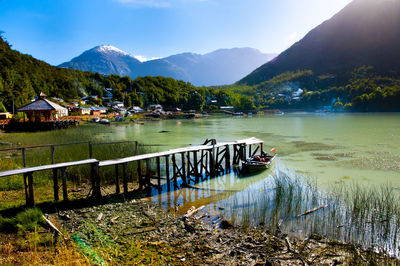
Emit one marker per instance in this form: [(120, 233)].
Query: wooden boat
[(257, 163)]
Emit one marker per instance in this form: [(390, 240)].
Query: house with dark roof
[(43, 108)]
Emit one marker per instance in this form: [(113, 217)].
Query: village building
[(95, 111), (42, 108)]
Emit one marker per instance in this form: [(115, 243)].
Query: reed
[(357, 214)]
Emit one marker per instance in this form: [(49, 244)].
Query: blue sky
[(58, 30)]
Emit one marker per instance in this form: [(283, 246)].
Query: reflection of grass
[(366, 216)]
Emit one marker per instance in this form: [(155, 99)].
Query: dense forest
[(22, 77)]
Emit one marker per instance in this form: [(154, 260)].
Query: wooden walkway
[(190, 164)]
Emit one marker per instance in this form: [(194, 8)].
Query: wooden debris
[(192, 211), (313, 210), (52, 226), (113, 220)]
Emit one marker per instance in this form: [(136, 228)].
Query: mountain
[(365, 32), (220, 67), (104, 59)]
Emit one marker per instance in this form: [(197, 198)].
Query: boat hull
[(249, 166)]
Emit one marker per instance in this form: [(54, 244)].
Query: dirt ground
[(140, 232)]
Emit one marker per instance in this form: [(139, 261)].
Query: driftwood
[(313, 210), (52, 226), (192, 211)]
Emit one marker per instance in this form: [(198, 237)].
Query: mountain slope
[(365, 32), (220, 67), (104, 59)]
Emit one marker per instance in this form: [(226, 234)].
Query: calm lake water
[(332, 150)]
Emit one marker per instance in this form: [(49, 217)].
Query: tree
[(2, 108)]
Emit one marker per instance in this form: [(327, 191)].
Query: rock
[(225, 224)]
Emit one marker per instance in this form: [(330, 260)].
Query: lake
[(334, 151)]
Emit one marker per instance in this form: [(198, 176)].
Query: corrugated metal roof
[(41, 105)]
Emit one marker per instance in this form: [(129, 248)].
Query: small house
[(95, 111), (42, 107)]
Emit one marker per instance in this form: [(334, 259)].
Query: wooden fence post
[(125, 178), (55, 185), (64, 184), (167, 172), (117, 189)]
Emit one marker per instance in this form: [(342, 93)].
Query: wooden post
[(90, 150), (148, 181), (136, 148), (26, 189), (188, 168), (64, 184), (139, 170), (201, 162), (97, 177), (125, 178), (31, 200), (158, 173), (227, 159), (52, 154), (167, 172), (55, 185), (196, 167), (23, 157), (174, 171), (93, 179), (183, 169), (212, 169), (117, 188)]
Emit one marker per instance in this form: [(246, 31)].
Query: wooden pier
[(180, 167)]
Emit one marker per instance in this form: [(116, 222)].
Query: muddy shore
[(140, 232)]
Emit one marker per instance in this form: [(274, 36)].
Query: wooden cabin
[(43, 109)]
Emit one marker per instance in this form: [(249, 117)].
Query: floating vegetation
[(313, 146), (326, 158), (344, 154), (369, 217)]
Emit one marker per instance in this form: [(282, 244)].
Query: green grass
[(41, 156)]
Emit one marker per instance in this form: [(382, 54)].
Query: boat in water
[(257, 163)]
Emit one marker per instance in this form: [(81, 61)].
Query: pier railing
[(191, 164)]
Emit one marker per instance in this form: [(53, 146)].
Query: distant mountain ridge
[(223, 66), (365, 32)]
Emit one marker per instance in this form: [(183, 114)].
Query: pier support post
[(117, 188), (139, 171), (167, 172), (64, 184), (227, 159), (183, 169), (158, 173), (148, 181), (55, 185), (196, 167), (28, 180), (174, 171), (125, 178)]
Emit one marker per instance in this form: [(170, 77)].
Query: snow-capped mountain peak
[(109, 48)]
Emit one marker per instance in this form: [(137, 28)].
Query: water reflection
[(364, 216)]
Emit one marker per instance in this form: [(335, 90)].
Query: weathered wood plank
[(45, 167)]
